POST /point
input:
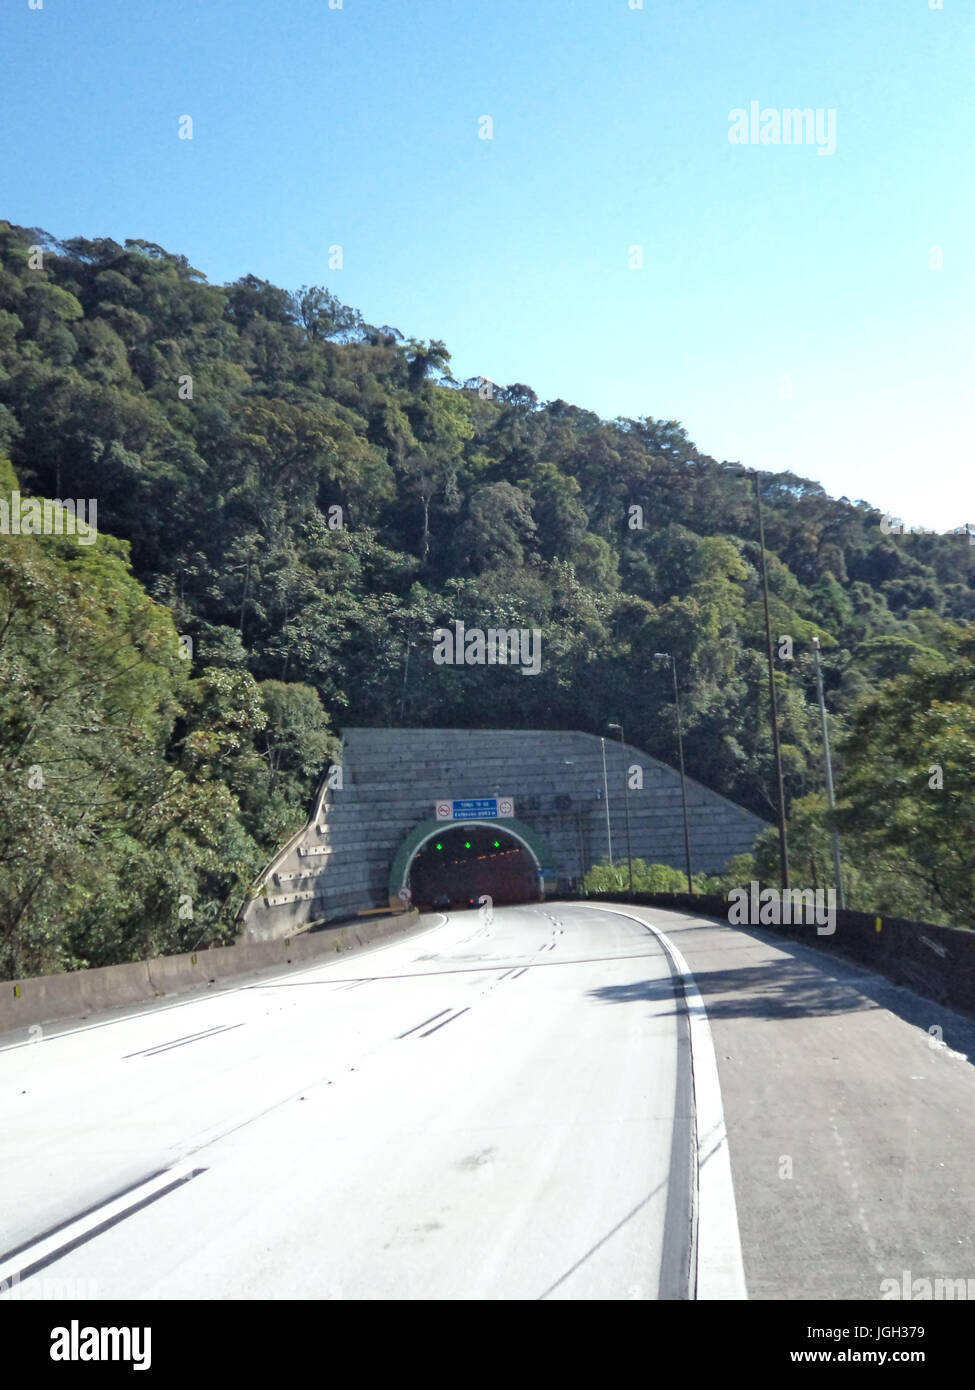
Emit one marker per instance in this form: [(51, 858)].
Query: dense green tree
[(910, 771), (304, 497)]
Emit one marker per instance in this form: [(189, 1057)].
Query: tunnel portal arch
[(411, 851)]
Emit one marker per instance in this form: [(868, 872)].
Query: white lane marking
[(76, 1231), (453, 1017), (720, 1270), (185, 1042)]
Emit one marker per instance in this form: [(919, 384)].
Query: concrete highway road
[(477, 1112)]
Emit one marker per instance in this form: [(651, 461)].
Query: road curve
[(499, 1108)]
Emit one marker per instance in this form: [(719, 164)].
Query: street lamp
[(247, 579), (626, 803), (609, 833), (783, 849), (406, 672), (668, 656), (837, 870)]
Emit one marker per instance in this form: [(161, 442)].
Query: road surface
[(498, 1108)]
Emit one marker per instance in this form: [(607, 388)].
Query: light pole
[(783, 849), (837, 869), (626, 803), (247, 579), (668, 656), (406, 672), (609, 833)]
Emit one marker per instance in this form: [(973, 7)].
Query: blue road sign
[(476, 808)]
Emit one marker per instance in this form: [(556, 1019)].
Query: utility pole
[(837, 869), (609, 833), (406, 672), (783, 850), (247, 579), (668, 656), (626, 803)]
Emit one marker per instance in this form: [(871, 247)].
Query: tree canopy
[(304, 497)]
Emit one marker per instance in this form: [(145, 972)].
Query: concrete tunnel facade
[(369, 833)]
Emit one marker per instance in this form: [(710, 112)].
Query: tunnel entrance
[(464, 862)]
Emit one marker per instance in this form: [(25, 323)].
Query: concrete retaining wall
[(392, 780), (938, 962), (81, 992)]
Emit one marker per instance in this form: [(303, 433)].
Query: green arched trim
[(428, 828)]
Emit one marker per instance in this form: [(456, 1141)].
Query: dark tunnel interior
[(457, 867)]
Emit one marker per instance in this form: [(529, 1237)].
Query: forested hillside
[(305, 497)]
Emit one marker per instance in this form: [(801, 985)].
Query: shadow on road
[(807, 983)]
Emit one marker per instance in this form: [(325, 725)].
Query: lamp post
[(247, 579), (626, 803), (668, 656), (783, 849), (837, 868), (609, 833), (406, 672)]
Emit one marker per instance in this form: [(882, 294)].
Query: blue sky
[(787, 312)]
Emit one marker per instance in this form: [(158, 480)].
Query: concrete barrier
[(54, 996), (78, 993)]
